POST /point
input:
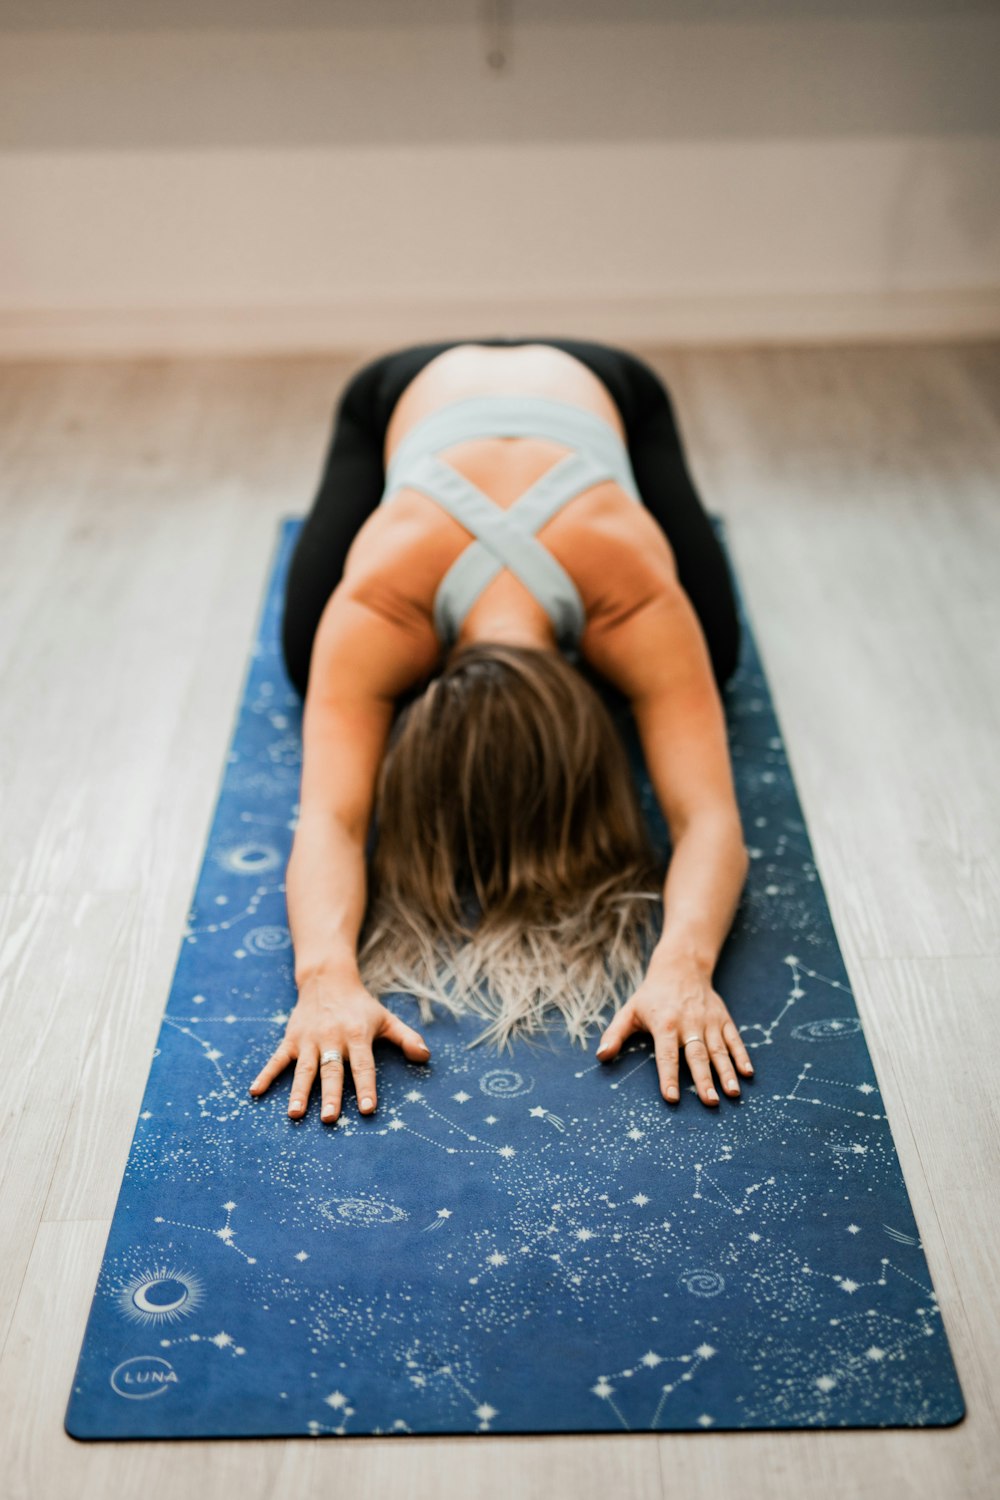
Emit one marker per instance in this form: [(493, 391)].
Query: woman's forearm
[(325, 888), (706, 874)]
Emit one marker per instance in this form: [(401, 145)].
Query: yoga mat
[(518, 1242)]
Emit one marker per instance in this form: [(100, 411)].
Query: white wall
[(210, 174)]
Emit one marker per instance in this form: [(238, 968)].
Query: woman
[(496, 521)]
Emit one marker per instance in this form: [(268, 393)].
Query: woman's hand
[(676, 1001), (343, 1016)]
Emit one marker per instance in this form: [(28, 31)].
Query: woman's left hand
[(675, 1001)]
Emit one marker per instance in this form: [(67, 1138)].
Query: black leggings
[(354, 479)]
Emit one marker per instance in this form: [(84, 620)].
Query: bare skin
[(376, 639)]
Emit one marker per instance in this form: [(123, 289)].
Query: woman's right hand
[(344, 1016)]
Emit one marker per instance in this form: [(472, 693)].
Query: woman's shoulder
[(616, 553), (376, 632)]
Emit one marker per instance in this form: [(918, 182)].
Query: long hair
[(512, 869)]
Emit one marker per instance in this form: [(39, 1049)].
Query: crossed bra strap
[(505, 537)]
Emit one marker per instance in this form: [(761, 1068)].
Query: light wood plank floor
[(138, 509)]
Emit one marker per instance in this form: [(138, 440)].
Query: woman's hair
[(506, 787)]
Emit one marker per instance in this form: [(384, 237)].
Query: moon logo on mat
[(142, 1376), (162, 1295)]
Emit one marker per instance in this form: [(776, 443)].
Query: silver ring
[(691, 1039), (330, 1055)]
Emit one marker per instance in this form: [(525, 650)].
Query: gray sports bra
[(506, 538)]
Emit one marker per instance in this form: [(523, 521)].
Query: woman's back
[(611, 548), (480, 370)]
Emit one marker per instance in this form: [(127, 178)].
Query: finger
[(696, 1054), (363, 1073), (412, 1043), (302, 1080), (734, 1042), (719, 1053), (622, 1025), (276, 1064), (665, 1052), (331, 1075)]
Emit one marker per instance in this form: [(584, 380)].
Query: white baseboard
[(377, 322)]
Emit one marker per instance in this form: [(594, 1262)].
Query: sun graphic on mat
[(162, 1295)]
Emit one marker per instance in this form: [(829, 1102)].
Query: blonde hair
[(506, 786)]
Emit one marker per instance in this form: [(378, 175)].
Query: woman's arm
[(325, 880), (682, 727), (657, 655), (363, 658)]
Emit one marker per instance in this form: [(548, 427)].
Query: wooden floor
[(138, 508)]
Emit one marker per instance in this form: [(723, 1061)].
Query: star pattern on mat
[(534, 1242)]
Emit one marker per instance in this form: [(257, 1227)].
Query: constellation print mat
[(527, 1241)]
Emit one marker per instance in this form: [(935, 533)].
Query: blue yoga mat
[(511, 1243)]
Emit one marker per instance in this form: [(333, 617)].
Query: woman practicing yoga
[(503, 527)]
